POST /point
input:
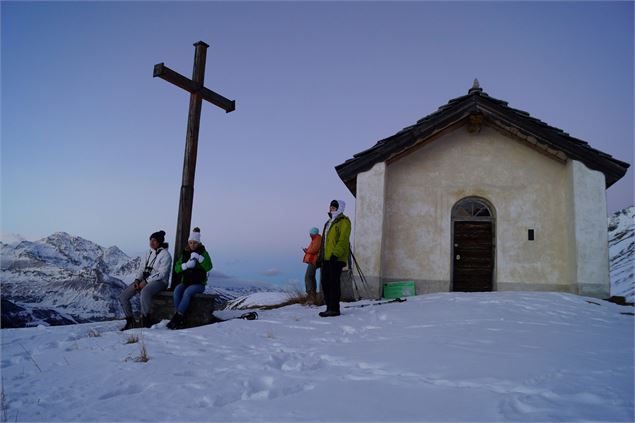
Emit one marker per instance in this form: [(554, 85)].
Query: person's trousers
[(331, 272), (148, 291), (183, 294), (309, 279)]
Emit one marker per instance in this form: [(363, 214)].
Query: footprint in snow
[(53, 345), (129, 390), (204, 402), (187, 373), (258, 389)]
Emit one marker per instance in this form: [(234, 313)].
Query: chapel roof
[(477, 108)]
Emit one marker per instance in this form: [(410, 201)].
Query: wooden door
[(473, 256)]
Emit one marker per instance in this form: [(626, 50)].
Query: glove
[(189, 265), (197, 257)]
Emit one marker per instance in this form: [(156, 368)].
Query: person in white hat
[(191, 269)]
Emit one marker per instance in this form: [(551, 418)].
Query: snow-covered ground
[(502, 356)]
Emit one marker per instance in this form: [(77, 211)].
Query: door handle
[(458, 257)]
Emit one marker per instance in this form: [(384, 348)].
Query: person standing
[(152, 277), (310, 258), (192, 268), (334, 254)]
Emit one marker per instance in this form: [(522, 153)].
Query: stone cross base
[(199, 312)]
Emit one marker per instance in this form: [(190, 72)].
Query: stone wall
[(199, 312)]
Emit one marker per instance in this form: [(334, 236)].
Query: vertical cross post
[(184, 220), (198, 93)]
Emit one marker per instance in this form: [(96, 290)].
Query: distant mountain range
[(61, 279), (622, 253), (64, 279)]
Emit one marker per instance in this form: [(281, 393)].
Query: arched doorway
[(473, 236)]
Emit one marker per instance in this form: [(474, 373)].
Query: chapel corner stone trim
[(588, 232)]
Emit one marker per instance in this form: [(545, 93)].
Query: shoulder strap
[(156, 254)]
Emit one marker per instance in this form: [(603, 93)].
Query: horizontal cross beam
[(187, 84)]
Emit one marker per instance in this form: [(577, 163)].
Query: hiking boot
[(172, 323), (329, 313), (177, 321), (146, 321), (129, 324)]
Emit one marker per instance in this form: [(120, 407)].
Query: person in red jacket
[(310, 258)]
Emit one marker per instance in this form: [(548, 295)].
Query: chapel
[(479, 196)]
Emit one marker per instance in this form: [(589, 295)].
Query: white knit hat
[(195, 235)]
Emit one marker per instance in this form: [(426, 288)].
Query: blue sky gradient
[(93, 145)]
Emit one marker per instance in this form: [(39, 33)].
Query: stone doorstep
[(199, 312)]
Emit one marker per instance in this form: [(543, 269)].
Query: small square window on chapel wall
[(530, 234)]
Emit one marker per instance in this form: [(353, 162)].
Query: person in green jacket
[(334, 256), (191, 268)]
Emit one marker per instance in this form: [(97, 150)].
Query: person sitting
[(152, 277), (191, 268)]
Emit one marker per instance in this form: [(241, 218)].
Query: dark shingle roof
[(493, 112)]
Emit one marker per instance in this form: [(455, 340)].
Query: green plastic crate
[(399, 289)]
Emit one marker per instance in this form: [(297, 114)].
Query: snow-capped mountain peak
[(622, 253), (64, 274), (11, 238)]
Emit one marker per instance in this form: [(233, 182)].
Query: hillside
[(495, 357)]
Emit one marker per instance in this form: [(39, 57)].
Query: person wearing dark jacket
[(152, 277), (334, 254), (191, 269)]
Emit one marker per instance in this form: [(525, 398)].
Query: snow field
[(503, 356)]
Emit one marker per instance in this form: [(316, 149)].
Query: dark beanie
[(335, 204), (159, 236)]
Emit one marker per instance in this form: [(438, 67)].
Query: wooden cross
[(198, 93)]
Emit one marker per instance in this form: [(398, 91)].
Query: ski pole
[(396, 300)]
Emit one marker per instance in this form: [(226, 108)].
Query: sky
[(93, 145)]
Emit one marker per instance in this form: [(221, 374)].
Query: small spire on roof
[(475, 87)]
